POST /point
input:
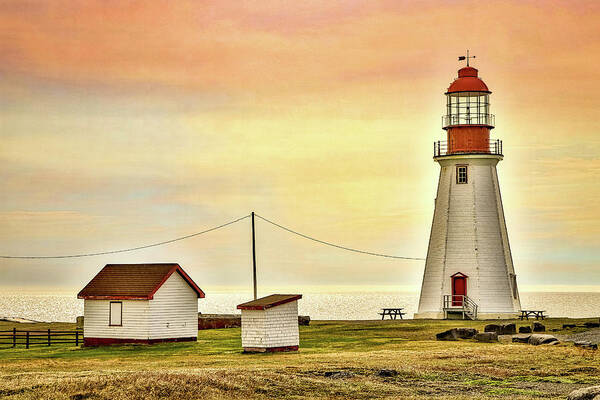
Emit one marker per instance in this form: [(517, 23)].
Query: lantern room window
[(461, 174), (464, 108)]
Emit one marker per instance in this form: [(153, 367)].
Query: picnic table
[(393, 313), (538, 314)]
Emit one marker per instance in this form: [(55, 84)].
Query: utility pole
[(253, 256)]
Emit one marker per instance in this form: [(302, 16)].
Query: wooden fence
[(49, 337)]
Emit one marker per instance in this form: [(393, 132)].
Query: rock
[(537, 339), (450, 334), (521, 338), (492, 328), (586, 345), (486, 337), (592, 325), (466, 333), (539, 327), (524, 329), (569, 326), (456, 333), (387, 373), (303, 320), (338, 374), (507, 329), (589, 393)]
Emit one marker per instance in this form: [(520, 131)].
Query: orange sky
[(124, 123)]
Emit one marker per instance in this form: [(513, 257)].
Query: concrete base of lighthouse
[(469, 241)]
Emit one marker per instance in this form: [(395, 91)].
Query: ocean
[(62, 307)]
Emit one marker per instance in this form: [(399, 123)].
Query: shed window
[(115, 314), (461, 174)]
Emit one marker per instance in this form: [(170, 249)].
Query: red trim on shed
[(269, 349), (93, 342)]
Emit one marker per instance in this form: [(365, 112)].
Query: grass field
[(214, 367)]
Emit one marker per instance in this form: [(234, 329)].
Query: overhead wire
[(133, 248), (337, 245), (210, 230)]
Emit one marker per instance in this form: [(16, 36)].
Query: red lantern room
[(468, 120)]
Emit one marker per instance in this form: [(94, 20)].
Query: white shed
[(140, 303), (271, 323)]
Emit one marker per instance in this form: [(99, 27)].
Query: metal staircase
[(459, 306)]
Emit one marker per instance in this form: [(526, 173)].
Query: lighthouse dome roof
[(467, 81)]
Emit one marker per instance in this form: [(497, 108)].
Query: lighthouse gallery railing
[(440, 148)]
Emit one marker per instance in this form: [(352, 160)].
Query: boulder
[(521, 338), (524, 329), (492, 328), (592, 325), (586, 345), (506, 329), (589, 393), (539, 327), (466, 333), (456, 333), (538, 339), (568, 326), (486, 337), (509, 329), (450, 334)]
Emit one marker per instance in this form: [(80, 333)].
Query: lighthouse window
[(461, 174)]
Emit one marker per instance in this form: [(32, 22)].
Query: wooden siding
[(134, 322), (271, 328), (174, 310), (468, 235)]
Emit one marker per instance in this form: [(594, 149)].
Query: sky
[(124, 123)]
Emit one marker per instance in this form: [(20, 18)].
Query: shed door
[(459, 289)]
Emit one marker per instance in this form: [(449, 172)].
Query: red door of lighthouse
[(459, 288)]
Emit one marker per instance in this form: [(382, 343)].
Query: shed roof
[(132, 281), (269, 301)]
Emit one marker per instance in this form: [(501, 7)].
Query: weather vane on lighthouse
[(462, 58)]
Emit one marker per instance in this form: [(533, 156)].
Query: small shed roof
[(132, 281), (269, 301)]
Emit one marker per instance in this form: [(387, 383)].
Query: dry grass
[(215, 368)]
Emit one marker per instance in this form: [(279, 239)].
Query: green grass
[(215, 367)]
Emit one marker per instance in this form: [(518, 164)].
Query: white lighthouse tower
[(469, 271)]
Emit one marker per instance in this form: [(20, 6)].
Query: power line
[(336, 245), (210, 230), (133, 248)]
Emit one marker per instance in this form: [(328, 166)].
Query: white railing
[(461, 303)]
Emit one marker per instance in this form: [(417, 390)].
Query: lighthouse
[(469, 271)]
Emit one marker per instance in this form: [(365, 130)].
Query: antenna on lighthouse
[(462, 58)]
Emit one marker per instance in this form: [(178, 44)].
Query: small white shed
[(270, 323), (140, 303)]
